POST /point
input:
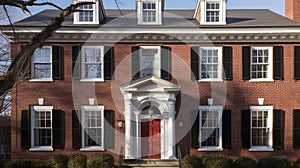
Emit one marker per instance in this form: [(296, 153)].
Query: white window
[(41, 128), (88, 13), (41, 67), (261, 64), (92, 128), (150, 61), (213, 12), (210, 64), (210, 128), (149, 12), (261, 128), (92, 63)]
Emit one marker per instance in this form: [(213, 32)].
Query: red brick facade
[(240, 94)]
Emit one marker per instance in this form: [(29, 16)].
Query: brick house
[(208, 80)]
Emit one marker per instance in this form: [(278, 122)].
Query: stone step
[(150, 163)]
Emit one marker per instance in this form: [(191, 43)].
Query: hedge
[(243, 162), (273, 162), (215, 161), (77, 160), (191, 161)]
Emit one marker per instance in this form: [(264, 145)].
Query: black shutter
[(246, 128), (246, 62), (108, 62), (195, 129), (135, 62), (58, 120), (166, 63), (297, 62), (227, 62), (278, 62), (296, 129), (76, 62), (25, 129), (278, 129), (109, 127), (58, 62), (226, 129), (76, 130), (195, 63)]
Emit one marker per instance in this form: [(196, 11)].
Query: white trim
[(83, 64), (95, 13), (91, 108), (158, 5), (157, 60), (32, 67), (261, 149), (210, 149), (269, 125), (41, 149), (220, 112), (183, 31), (270, 65), (222, 12), (40, 108), (220, 65)]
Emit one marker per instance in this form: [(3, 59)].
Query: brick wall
[(240, 95), (292, 9)]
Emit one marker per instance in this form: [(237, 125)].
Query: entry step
[(150, 163)]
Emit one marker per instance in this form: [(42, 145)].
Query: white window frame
[(50, 79), (83, 79), (222, 14), (33, 110), (91, 108), (270, 65), (220, 112), (269, 124), (95, 12), (220, 65), (140, 11), (157, 60)]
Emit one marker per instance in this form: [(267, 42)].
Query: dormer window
[(212, 12), (149, 12), (88, 13)]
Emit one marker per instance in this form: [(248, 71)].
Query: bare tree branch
[(20, 67), (117, 2), (9, 19)]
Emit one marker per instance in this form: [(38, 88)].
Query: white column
[(137, 135), (128, 128), (171, 130)]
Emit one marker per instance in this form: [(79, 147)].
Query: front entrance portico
[(150, 104)]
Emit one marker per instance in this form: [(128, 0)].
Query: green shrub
[(28, 164), (77, 160), (214, 161), (59, 161), (296, 164), (100, 160), (191, 161), (243, 162), (273, 162)]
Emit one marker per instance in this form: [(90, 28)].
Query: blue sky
[(274, 5)]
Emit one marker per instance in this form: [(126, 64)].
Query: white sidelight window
[(210, 128), (261, 63), (92, 63), (210, 64), (261, 128), (41, 67), (92, 128), (41, 128)]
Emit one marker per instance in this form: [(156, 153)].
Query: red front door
[(150, 131)]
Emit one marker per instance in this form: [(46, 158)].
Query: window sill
[(150, 23), (261, 80), (261, 149), (41, 80), (92, 149), (210, 149), (210, 80), (91, 80), (213, 23), (41, 149), (85, 23)]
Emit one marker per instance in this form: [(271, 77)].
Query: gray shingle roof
[(172, 18)]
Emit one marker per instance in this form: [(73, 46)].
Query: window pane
[(209, 63), (93, 128), (41, 63), (42, 128), (260, 130)]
